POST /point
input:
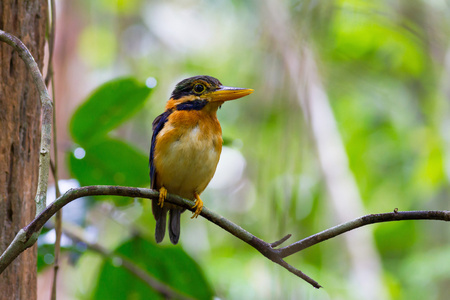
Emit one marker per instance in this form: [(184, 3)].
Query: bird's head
[(198, 92)]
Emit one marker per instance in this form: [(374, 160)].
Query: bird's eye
[(199, 88)]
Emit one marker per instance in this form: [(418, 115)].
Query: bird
[(185, 147)]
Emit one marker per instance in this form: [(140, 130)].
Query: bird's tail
[(160, 214), (174, 225)]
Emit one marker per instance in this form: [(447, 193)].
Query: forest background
[(350, 116)]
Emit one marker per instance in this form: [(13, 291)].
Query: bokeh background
[(350, 116)]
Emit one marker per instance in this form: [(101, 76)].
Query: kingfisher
[(186, 146)]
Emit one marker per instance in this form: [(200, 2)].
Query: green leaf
[(110, 162), (170, 265), (108, 106)]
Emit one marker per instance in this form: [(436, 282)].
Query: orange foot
[(198, 205), (162, 196)]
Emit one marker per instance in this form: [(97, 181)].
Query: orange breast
[(187, 151)]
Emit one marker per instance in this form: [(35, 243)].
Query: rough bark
[(19, 139)]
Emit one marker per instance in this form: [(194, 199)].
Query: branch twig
[(362, 221), (49, 78), (24, 238), (47, 110), (51, 42), (58, 225)]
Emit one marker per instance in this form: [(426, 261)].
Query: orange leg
[(162, 196), (198, 205)]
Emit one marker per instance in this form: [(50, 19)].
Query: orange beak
[(226, 93)]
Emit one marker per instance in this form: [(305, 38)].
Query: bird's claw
[(162, 196), (198, 206)]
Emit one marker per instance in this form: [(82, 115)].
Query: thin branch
[(58, 231), (24, 238), (49, 78), (362, 221), (280, 241), (165, 290), (51, 42), (47, 110)]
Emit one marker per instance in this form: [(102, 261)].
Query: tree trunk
[(19, 139)]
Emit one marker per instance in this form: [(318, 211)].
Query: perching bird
[(186, 146)]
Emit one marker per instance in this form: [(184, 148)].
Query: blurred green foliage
[(161, 262), (384, 65), (107, 107), (107, 160)]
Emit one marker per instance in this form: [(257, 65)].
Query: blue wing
[(158, 124)]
